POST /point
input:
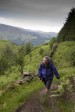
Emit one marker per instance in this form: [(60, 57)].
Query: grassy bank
[(64, 62), (13, 98)]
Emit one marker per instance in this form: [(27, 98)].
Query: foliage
[(64, 55), (10, 101), (41, 51), (32, 66), (7, 59), (67, 33), (20, 58), (22, 52), (28, 47), (52, 41), (63, 60), (65, 88), (3, 65)]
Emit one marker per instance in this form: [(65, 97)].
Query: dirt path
[(32, 105), (37, 101)]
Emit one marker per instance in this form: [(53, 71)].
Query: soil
[(40, 101), (34, 103)]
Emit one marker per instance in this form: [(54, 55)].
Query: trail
[(42, 102), (37, 101)]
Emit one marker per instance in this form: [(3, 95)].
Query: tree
[(28, 47), (67, 33), (22, 52), (7, 59), (10, 55), (3, 65), (20, 58), (70, 15)]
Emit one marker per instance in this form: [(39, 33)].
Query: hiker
[(46, 72)]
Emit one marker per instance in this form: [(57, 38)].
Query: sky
[(42, 15)]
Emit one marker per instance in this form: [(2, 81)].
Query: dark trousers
[(48, 83)]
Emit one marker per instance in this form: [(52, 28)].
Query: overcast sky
[(44, 15)]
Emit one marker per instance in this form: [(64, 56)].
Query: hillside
[(68, 30), (63, 58), (15, 96), (4, 44), (20, 36)]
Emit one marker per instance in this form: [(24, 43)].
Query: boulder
[(20, 82)]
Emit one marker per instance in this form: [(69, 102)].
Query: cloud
[(47, 12)]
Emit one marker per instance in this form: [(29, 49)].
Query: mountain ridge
[(19, 35)]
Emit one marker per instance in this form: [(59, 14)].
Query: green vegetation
[(66, 106), (68, 30), (4, 44), (64, 60), (41, 51), (32, 66), (8, 59), (22, 52), (64, 56), (12, 55), (7, 55), (14, 60), (52, 41), (10, 100)]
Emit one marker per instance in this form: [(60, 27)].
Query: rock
[(54, 95), (25, 74), (20, 82), (27, 77)]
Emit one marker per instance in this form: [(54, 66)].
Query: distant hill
[(19, 35), (68, 30)]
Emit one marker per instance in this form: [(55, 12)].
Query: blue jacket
[(47, 71)]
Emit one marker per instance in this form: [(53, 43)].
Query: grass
[(4, 43), (62, 57), (65, 106), (10, 101), (9, 77), (13, 98), (33, 65)]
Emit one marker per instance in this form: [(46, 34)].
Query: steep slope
[(15, 96), (68, 30), (64, 56), (53, 102)]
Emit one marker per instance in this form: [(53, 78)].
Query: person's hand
[(43, 79), (58, 77), (40, 77)]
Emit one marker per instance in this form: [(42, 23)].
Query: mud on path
[(38, 100)]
